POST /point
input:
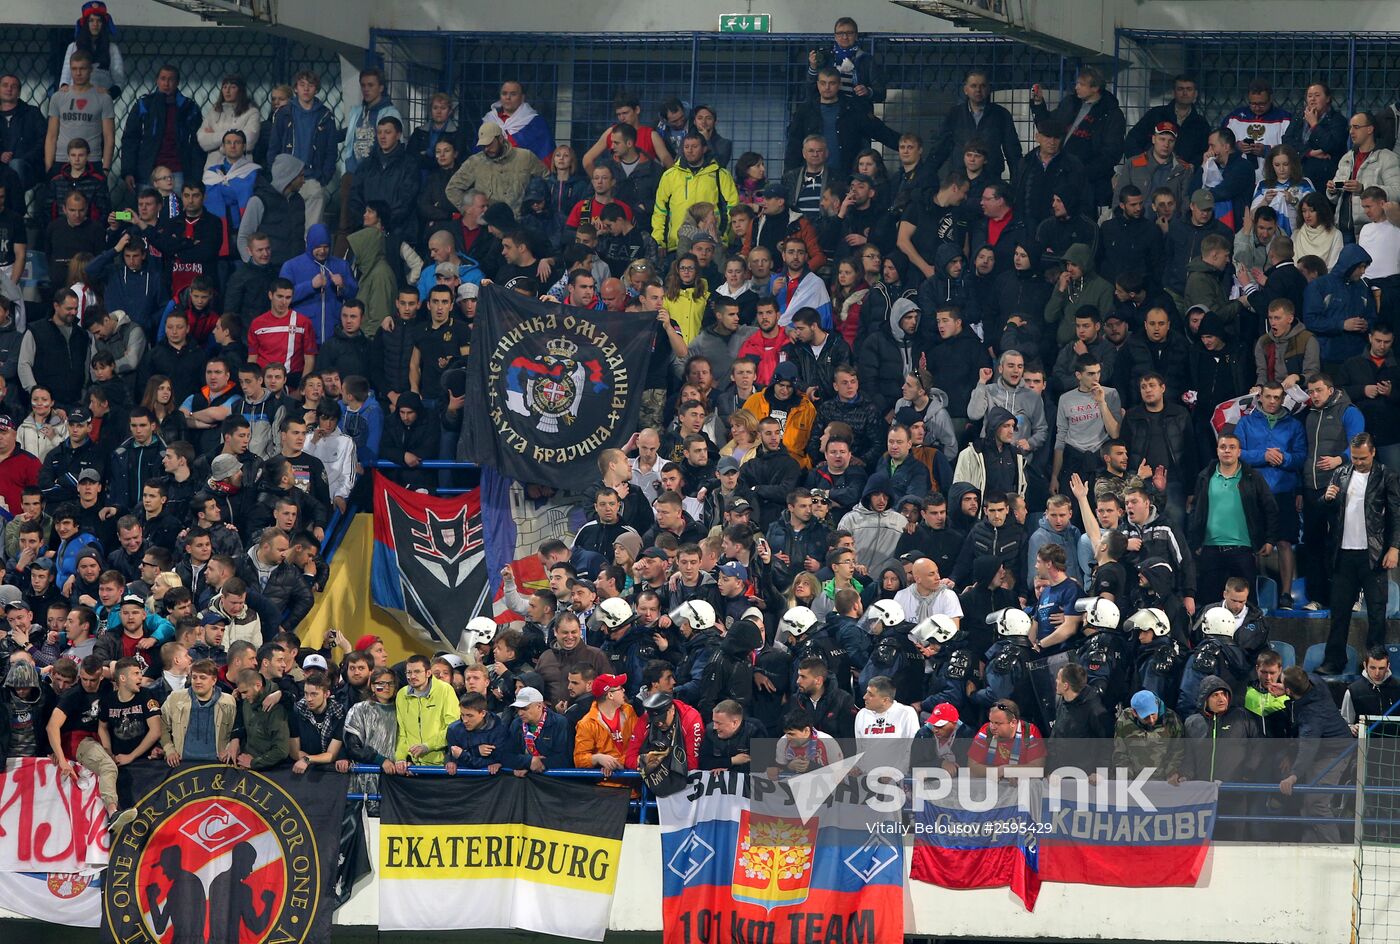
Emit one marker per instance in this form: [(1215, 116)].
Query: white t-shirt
[(917, 608), (1354, 517)]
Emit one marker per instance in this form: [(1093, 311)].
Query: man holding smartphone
[(1365, 165)]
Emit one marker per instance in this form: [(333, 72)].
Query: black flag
[(560, 384)]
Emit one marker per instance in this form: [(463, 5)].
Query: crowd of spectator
[(910, 427)]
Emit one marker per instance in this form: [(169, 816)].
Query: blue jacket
[(321, 305), (467, 269), (145, 127), (1287, 435), (1317, 717), (324, 144), (1332, 299), (141, 294), (66, 559), (492, 732), (227, 200), (554, 741), (366, 428)]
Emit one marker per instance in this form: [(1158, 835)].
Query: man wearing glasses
[(1006, 740)]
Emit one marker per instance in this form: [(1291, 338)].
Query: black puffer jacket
[(391, 178)]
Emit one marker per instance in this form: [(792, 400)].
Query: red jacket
[(692, 728), (767, 351)]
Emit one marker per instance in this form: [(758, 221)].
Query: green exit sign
[(745, 22)]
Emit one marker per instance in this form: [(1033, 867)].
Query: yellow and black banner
[(530, 853)]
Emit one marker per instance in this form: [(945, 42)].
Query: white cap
[(314, 661), (527, 696)]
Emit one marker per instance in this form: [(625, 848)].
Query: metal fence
[(203, 55), (1362, 69), (751, 81)]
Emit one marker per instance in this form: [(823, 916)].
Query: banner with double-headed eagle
[(549, 385)]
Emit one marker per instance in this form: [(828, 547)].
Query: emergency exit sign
[(744, 22)]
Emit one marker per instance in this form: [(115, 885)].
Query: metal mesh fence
[(1362, 69), (751, 81), (203, 56), (1376, 879)]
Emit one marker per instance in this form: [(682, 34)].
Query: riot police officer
[(952, 668), (1159, 658), (1105, 654), (805, 638), (893, 653), (1218, 654), (1009, 666)]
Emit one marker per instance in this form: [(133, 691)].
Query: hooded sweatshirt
[(885, 356), (877, 533), (1330, 300), (377, 285), (274, 211), (1213, 760), (1090, 291), (322, 305)]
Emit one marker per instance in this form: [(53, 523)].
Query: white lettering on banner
[(47, 825)]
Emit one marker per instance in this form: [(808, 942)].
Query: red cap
[(1165, 127), (942, 715), (365, 642), (604, 682)]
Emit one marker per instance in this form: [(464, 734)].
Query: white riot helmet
[(884, 613), (1099, 613), (799, 621), (614, 613), (1011, 622), (1218, 621), (937, 628), (1152, 620), (699, 614), (480, 631)]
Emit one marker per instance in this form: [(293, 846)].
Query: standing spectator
[(361, 137), (161, 131), (1095, 128), (321, 284), (1159, 435), (1372, 381), (1364, 498), (1365, 165), (1233, 518), (54, 352), (1086, 417), (523, 127), (1130, 242), (1257, 126), (275, 212), (192, 242), (1049, 171), (1273, 443), (22, 130), (1149, 736), (94, 35), (1339, 308), (80, 110), (837, 120), (499, 170), (282, 335), (1381, 240), (304, 128), (695, 178), (980, 117), (442, 125), (81, 176), (387, 175), (1332, 422), (1319, 134), (1008, 392), (1181, 113), (228, 183), (1322, 739), (232, 111), (1228, 177)]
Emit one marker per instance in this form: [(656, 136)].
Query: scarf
[(531, 732)]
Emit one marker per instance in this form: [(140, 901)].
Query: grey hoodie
[(1020, 401), (285, 169)]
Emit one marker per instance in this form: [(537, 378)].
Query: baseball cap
[(908, 416), (489, 132), (1115, 315), (704, 238), (315, 661), (739, 504), (43, 563), (943, 715), (602, 683), (89, 474), (734, 569), (468, 290), (1203, 199), (365, 642), (224, 467), (7, 423), (1144, 703), (527, 696), (655, 552), (79, 415), (1165, 127), (19, 604), (774, 190), (132, 599), (727, 464), (212, 617), (863, 178)]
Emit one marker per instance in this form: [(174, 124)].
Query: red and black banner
[(430, 559), (223, 855), (559, 383)]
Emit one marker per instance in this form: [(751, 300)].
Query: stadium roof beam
[(1011, 18), (229, 12), (298, 21)]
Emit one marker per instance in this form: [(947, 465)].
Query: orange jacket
[(593, 737), (798, 428)]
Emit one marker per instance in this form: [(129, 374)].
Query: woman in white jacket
[(42, 429), (231, 112)]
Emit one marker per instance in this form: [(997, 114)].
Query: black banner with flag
[(560, 384), (532, 853), (249, 855)]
